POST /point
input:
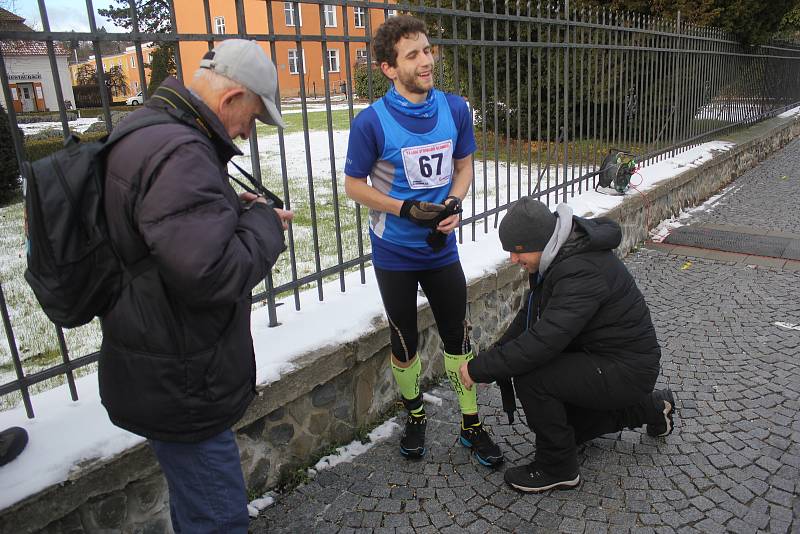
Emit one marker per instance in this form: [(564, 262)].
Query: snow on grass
[(78, 125)]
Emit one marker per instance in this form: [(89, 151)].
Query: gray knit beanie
[(527, 227)]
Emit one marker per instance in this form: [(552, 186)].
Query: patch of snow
[(349, 452), (432, 399), (790, 113), (788, 326), (256, 505), (78, 125)]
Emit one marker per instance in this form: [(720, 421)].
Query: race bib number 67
[(428, 166)]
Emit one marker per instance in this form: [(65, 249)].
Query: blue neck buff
[(424, 110)]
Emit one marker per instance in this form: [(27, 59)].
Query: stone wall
[(334, 393)]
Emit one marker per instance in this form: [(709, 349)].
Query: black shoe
[(12, 441), (412, 444), (664, 400), (486, 451), (531, 479)]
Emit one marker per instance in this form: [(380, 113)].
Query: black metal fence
[(552, 88)]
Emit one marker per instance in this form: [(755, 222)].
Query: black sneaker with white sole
[(664, 401), (486, 451), (412, 444), (530, 479)]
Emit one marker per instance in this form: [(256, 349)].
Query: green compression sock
[(407, 378), (467, 399)]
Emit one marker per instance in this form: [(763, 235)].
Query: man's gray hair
[(219, 83)]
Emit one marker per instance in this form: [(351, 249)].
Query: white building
[(30, 77)]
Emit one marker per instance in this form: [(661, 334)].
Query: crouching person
[(582, 351)]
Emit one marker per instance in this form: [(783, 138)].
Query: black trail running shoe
[(486, 451), (412, 444)]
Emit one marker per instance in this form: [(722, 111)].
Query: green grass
[(317, 120)]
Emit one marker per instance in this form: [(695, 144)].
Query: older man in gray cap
[(582, 351), (177, 362)]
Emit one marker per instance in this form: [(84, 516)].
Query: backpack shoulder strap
[(137, 124)]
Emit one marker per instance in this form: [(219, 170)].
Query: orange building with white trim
[(191, 19), (128, 62)]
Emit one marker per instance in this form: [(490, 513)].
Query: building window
[(294, 63), (359, 14), (133, 62), (219, 24), (330, 16), (391, 12), (135, 86), (361, 56), (289, 14), (149, 58), (333, 61)]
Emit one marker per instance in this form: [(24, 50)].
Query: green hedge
[(9, 172), (38, 149), (380, 83)]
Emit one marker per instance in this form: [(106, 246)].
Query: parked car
[(135, 100)]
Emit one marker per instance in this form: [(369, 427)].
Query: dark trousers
[(446, 291), (206, 486), (579, 396)]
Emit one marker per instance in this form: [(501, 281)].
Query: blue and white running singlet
[(415, 166)]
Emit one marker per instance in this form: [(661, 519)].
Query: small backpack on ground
[(72, 266)]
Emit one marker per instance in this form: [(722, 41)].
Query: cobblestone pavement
[(731, 465)]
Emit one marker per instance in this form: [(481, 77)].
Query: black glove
[(436, 239), (426, 214), (453, 204)]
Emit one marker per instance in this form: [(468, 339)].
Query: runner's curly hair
[(390, 32)]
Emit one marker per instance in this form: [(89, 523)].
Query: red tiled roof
[(11, 22), (8, 16), (30, 48)]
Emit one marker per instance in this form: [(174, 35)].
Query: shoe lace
[(478, 434), (416, 419), (534, 471)]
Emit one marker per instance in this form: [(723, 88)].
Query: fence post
[(675, 63)]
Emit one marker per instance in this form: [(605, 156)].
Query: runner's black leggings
[(446, 290)]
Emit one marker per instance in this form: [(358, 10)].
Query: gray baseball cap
[(245, 62)]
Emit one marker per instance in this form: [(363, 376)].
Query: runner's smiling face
[(413, 74)]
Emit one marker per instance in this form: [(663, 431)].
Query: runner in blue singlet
[(415, 145)]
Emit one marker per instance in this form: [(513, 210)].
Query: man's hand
[(466, 380), (423, 213), (450, 223), (284, 215)]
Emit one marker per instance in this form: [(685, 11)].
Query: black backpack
[(72, 266)]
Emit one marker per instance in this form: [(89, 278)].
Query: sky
[(63, 15)]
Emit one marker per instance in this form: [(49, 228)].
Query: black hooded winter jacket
[(587, 301), (177, 361)]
